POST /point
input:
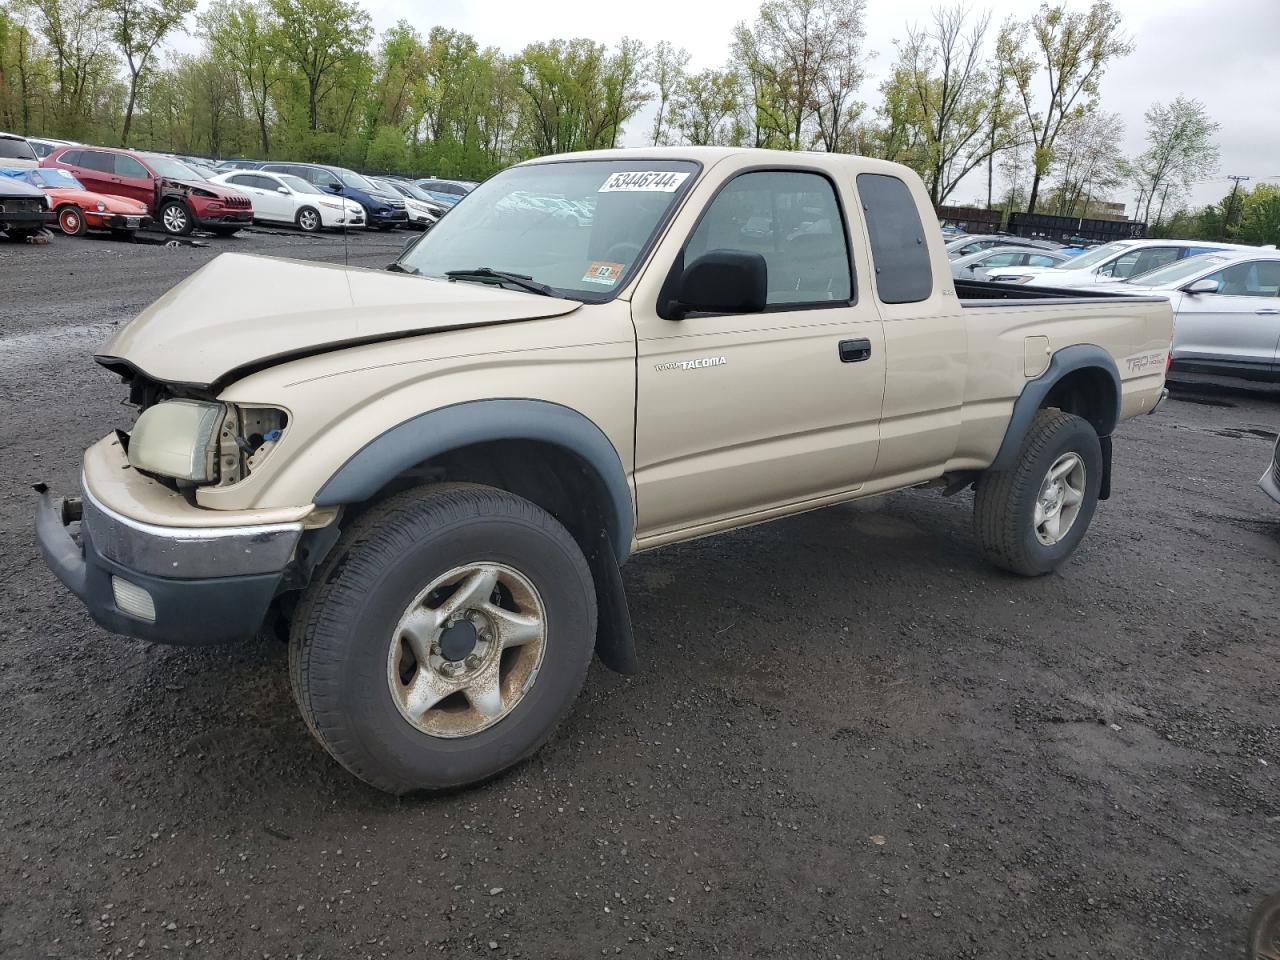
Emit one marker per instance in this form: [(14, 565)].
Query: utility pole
[(1231, 204)]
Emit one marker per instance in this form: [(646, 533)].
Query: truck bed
[(979, 292)]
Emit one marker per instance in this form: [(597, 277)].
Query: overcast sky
[(1223, 52)]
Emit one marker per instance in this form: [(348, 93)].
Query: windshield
[(1178, 270), (1091, 258), (577, 226), (173, 169), (13, 149), (353, 179), (54, 177), (415, 191), (298, 185)]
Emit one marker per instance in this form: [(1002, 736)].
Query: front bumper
[(237, 218), (25, 219), (116, 221), (205, 585), (394, 218)]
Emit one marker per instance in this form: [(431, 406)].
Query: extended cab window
[(791, 219), (898, 248)]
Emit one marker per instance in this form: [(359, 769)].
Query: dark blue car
[(380, 210)]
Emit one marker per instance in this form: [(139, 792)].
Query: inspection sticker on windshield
[(651, 181), (602, 271)]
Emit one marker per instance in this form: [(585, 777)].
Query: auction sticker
[(650, 181), (602, 271)]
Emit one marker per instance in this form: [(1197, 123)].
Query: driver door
[(757, 414)]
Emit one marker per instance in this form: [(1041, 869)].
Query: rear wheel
[(308, 220), (444, 639), (1031, 517), (71, 221), (176, 219)]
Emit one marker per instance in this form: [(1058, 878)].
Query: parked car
[(1117, 260), (175, 196), (431, 476), (205, 169), (24, 209), (447, 192), (422, 214), (79, 210), (284, 198), (43, 146), (976, 266), (963, 246), (227, 165), (15, 151), (381, 211), (1226, 309), (409, 188)]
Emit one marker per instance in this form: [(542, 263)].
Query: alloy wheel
[(467, 649), (1058, 502)]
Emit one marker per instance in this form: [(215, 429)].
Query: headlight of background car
[(179, 439)]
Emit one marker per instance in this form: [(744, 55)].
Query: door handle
[(854, 351)]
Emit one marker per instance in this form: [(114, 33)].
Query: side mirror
[(334, 187), (721, 281), (283, 190), (1203, 285)]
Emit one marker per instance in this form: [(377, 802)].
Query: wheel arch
[(464, 434), (1081, 379), (547, 453)]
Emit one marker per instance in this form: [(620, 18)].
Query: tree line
[(1015, 103)]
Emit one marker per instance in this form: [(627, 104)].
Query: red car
[(174, 194), (79, 210)]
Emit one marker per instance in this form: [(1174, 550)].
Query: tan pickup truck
[(429, 478)]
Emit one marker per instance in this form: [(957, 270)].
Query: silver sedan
[(976, 266), (1226, 308)]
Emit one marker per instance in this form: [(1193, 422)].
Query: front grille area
[(21, 205), (242, 203)]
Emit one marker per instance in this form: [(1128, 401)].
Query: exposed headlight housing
[(202, 442), (178, 439), (101, 206)]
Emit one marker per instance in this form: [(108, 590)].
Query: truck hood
[(241, 313)]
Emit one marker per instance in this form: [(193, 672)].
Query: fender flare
[(428, 435), (1079, 356)]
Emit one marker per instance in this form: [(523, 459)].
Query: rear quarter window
[(899, 252)]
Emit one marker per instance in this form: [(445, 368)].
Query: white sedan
[(284, 198)]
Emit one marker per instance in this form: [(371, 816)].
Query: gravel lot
[(850, 737)]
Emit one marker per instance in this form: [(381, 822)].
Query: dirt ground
[(850, 737)]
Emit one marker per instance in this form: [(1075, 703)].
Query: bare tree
[(785, 57), (138, 27)]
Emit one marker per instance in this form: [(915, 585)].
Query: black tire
[(344, 625), (175, 219), (71, 221), (308, 220), (22, 236), (1005, 505)]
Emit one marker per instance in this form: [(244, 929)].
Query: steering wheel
[(624, 251)]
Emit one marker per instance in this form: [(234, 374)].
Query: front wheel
[(176, 219), (1031, 517), (71, 221), (444, 638), (308, 220)]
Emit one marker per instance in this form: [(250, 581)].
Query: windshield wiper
[(521, 280)]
